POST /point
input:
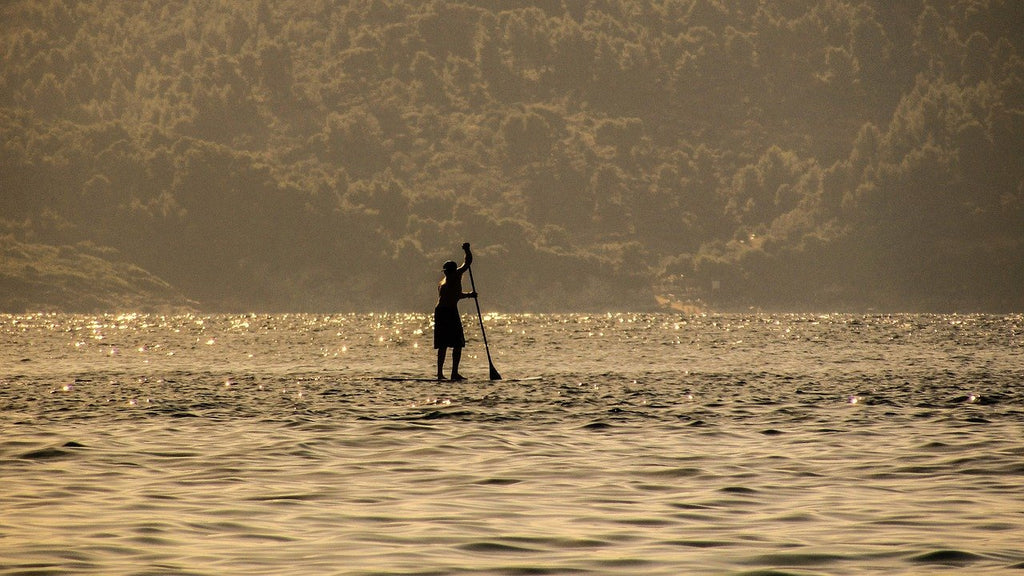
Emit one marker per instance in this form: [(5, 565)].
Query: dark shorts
[(448, 328)]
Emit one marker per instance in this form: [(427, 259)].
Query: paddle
[(472, 285)]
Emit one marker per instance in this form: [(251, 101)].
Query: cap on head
[(450, 266)]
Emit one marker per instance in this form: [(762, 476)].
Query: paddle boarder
[(447, 323)]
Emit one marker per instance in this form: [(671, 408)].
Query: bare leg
[(456, 356), (440, 361)]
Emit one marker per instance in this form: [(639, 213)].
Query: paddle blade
[(494, 373)]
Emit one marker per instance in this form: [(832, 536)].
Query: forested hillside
[(319, 155)]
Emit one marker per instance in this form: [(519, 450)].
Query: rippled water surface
[(640, 444)]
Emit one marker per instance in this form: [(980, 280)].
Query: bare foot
[(457, 377)]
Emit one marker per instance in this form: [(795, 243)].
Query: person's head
[(450, 267)]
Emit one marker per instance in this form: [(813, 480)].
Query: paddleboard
[(411, 379)]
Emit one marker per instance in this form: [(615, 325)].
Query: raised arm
[(469, 258)]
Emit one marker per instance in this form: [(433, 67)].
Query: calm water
[(650, 444)]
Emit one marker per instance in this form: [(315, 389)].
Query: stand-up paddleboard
[(413, 379)]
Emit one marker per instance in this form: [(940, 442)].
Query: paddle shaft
[(494, 372)]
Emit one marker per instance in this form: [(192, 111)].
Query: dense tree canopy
[(330, 154)]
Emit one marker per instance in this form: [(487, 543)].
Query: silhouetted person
[(447, 323)]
